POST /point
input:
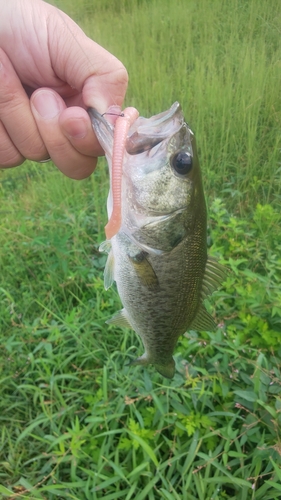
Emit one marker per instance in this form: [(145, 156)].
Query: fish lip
[(97, 117)]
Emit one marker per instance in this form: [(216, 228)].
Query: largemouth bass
[(158, 257)]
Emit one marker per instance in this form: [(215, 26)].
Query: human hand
[(50, 72)]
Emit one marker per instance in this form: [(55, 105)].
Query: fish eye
[(182, 162)]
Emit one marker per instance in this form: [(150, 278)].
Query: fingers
[(19, 136), (76, 126), (85, 65), (67, 134), (9, 155), (106, 89), (54, 56), (43, 127)]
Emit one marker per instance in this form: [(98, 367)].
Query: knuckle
[(77, 170), (122, 76), (33, 148), (9, 154), (9, 95), (11, 159)]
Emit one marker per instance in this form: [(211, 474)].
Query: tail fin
[(167, 369)]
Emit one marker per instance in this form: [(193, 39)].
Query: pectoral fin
[(144, 270), (109, 271), (105, 246)]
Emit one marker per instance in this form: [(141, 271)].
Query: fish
[(158, 253)]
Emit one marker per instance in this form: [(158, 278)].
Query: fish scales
[(158, 258), (155, 309)]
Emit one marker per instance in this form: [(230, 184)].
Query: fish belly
[(162, 312)]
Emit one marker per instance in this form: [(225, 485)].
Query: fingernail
[(76, 130), (46, 104)]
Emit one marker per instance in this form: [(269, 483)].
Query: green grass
[(221, 61), (76, 421)]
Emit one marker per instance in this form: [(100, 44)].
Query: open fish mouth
[(144, 134)]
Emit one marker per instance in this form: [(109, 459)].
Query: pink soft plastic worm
[(122, 125)]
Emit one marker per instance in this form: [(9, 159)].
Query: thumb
[(85, 65)]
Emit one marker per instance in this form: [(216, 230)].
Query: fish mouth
[(146, 133), (149, 136), (143, 135)]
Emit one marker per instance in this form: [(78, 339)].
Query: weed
[(76, 421)]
